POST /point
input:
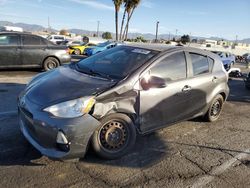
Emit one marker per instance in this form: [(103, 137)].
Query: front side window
[(31, 40), (8, 40), (200, 64), (117, 62), (171, 68)]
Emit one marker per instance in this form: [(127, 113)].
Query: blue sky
[(221, 18)]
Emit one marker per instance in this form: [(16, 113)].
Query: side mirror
[(152, 82)]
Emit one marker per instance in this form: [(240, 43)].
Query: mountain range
[(148, 36)]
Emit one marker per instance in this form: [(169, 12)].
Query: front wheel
[(215, 109), (115, 137), (50, 63)]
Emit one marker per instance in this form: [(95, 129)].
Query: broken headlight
[(73, 108)]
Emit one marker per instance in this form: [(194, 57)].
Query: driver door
[(163, 104)]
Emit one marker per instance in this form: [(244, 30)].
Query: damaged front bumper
[(42, 130)]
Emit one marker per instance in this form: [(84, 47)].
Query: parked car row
[(79, 49), (227, 59), (91, 49)]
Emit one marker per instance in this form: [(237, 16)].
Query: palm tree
[(123, 17), (117, 4), (132, 4)]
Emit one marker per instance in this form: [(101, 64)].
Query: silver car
[(107, 99)]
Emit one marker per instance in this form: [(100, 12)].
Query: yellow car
[(79, 49)]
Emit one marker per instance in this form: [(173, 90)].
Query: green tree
[(185, 39), (107, 35), (64, 32), (140, 39), (117, 4)]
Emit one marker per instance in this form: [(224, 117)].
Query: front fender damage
[(117, 103)]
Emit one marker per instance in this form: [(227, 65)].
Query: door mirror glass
[(152, 82)]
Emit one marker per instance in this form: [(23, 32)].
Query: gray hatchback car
[(107, 99)]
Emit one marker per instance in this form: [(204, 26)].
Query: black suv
[(26, 50)]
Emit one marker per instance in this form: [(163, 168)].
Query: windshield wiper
[(91, 72)]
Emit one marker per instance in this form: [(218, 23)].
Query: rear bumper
[(65, 59), (41, 131)]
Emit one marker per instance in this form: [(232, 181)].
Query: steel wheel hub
[(51, 65), (216, 108), (113, 135)]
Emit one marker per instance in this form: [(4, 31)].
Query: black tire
[(77, 51), (115, 137), (215, 109), (50, 63)]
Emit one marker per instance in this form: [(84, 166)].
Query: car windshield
[(103, 44), (117, 62)]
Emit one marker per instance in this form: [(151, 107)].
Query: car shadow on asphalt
[(149, 150), (14, 149), (20, 70)]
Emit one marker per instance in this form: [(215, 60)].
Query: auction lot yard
[(188, 154)]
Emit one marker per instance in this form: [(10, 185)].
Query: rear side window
[(31, 40), (8, 40), (211, 64), (200, 64), (171, 68)]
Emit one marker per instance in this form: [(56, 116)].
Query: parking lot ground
[(189, 154)]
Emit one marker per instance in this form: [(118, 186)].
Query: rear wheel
[(115, 137), (50, 63), (215, 109), (77, 51)]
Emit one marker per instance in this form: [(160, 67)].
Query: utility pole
[(156, 33), (169, 36), (98, 24), (48, 24), (176, 31)]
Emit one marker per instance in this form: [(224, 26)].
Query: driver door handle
[(186, 88)]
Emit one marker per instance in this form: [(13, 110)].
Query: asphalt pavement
[(189, 154)]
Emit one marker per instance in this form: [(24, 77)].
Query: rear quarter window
[(200, 64)]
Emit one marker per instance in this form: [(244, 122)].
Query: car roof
[(15, 32), (19, 33)]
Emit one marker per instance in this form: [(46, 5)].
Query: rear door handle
[(186, 88)]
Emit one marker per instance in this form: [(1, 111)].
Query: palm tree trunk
[(124, 31), (127, 26), (116, 24), (123, 19)]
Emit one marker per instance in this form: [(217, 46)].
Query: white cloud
[(94, 4)]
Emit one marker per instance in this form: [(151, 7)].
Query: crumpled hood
[(64, 84)]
